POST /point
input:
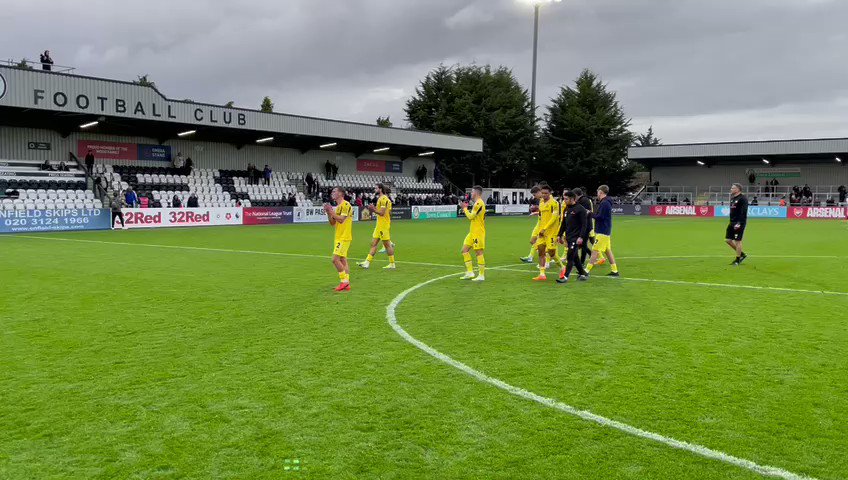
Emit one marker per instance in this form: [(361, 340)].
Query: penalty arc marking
[(766, 470)]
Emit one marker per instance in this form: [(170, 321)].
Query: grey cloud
[(698, 70)]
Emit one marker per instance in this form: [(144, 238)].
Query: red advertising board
[(824, 213), (370, 166), (107, 150), (682, 211)]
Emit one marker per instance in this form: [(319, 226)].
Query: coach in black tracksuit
[(573, 231), (589, 239), (738, 222)]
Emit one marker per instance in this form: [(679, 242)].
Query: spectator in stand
[(188, 166), (490, 200), (46, 61), (267, 175), (178, 161), (63, 167), (310, 182), (830, 202), (808, 193), (807, 201), (359, 201), (192, 201), (117, 204), (843, 193), (46, 166), (328, 169), (782, 201), (131, 198), (292, 200), (335, 171), (755, 201), (176, 202), (89, 162)]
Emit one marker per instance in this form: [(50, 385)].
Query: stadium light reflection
[(185, 134), (265, 140), (90, 124), (701, 163), (426, 154), (328, 145), (766, 162), (384, 149), (839, 160)]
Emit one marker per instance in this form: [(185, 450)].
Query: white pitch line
[(700, 450), (698, 284)]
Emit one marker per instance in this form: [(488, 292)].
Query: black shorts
[(733, 234)]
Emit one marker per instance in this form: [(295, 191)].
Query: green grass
[(137, 361)]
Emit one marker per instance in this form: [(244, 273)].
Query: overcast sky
[(717, 70)]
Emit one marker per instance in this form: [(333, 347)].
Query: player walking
[(382, 233), (476, 238), (738, 221), (603, 233), (549, 216), (534, 210), (342, 219)]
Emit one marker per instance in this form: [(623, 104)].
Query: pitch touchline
[(391, 317)]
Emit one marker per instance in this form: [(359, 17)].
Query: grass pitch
[(124, 355)]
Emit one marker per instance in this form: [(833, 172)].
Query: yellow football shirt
[(384, 221), (549, 216), (477, 215), (344, 231)]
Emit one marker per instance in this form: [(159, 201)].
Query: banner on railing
[(824, 213), (316, 214), (512, 210), (426, 212), (682, 211), (181, 217), (754, 211), (637, 210), (25, 221), (268, 215)]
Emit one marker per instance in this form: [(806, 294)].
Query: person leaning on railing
[(46, 61)]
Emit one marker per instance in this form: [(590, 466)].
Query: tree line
[(581, 139)]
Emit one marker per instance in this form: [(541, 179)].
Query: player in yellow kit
[(342, 219), (549, 216), (476, 239), (382, 232), (534, 210)]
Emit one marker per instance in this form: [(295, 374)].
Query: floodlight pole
[(535, 58)]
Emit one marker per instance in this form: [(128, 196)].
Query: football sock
[(532, 252), (391, 259), (369, 258), (558, 259), (614, 268), (542, 272), (481, 264), (342, 276), (590, 266), (469, 267)]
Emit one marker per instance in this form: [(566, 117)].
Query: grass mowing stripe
[(700, 284), (700, 450)]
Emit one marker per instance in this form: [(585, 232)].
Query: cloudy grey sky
[(697, 70)]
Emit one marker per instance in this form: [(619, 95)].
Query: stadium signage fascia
[(107, 105)]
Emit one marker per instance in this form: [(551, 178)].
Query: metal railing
[(31, 65)]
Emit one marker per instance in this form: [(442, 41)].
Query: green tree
[(385, 122), (267, 105), (647, 139), (478, 101), (23, 65), (585, 138), (230, 104), (144, 81)]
